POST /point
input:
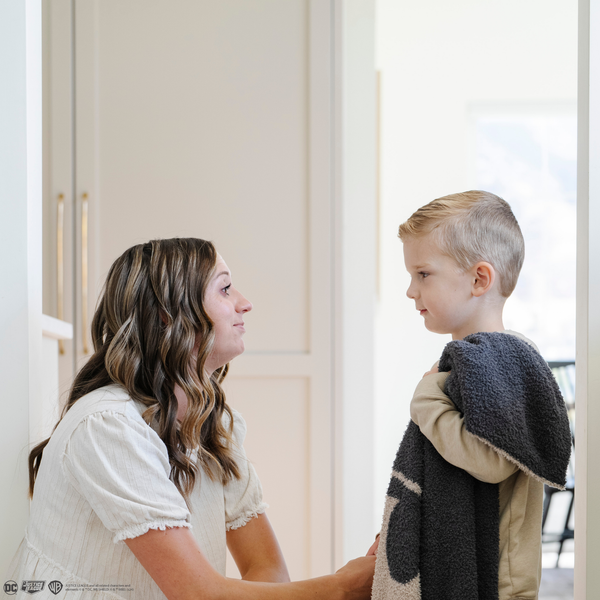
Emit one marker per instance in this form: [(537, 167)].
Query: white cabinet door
[(213, 120)]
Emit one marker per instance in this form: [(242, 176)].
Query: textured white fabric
[(104, 478)]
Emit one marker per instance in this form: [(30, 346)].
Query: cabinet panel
[(277, 410), (193, 122)]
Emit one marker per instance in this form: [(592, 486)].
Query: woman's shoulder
[(109, 398), (97, 408)]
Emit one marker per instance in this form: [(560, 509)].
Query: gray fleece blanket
[(440, 534)]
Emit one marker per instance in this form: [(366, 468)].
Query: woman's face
[(226, 307)]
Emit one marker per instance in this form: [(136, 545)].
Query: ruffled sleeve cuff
[(246, 517), (141, 528)]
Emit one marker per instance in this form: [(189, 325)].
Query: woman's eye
[(225, 290)]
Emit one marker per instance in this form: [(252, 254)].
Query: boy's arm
[(443, 425)]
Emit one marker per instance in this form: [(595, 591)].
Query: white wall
[(437, 59), (20, 249)]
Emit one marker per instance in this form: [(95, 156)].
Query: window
[(528, 156)]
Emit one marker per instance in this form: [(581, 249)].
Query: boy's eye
[(225, 290), (423, 274)]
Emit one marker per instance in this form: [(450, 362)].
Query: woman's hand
[(356, 578)]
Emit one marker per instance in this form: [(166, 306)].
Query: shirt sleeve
[(443, 425), (121, 467), (243, 497)]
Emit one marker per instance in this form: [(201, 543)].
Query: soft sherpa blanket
[(440, 533)]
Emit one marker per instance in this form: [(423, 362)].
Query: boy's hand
[(373, 549), (433, 369)]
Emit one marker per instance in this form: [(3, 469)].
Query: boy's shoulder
[(521, 337), (510, 399), (496, 351)]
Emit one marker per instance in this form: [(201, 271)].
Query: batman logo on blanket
[(440, 533)]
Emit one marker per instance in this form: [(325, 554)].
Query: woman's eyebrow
[(222, 273)]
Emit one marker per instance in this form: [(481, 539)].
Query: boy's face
[(442, 291)]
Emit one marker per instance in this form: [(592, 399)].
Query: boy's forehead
[(421, 251), (424, 253)]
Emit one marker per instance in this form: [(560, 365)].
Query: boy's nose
[(410, 292)]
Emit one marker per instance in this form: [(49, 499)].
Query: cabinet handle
[(84, 272), (378, 185), (60, 265)]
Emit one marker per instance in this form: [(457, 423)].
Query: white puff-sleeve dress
[(104, 478)]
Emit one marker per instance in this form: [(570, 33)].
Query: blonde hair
[(145, 332), (471, 227)]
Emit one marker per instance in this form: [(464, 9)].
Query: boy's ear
[(484, 277)]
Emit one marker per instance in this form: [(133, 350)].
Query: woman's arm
[(177, 565), (256, 551)]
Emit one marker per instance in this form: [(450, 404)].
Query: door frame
[(587, 449)]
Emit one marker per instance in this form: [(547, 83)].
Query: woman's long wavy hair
[(150, 332)]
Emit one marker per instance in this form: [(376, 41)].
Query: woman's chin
[(213, 363)]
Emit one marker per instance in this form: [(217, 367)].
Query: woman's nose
[(244, 305)]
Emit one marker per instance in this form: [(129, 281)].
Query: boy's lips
[(422, 311)]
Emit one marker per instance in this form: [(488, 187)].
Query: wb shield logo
[(55, 587)]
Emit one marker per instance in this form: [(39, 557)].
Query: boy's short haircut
[(471, 227)]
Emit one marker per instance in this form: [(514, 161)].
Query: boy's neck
[(487, 323)]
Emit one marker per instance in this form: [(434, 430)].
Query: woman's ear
[(484, 277)]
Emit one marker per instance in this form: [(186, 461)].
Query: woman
[(147, 448)]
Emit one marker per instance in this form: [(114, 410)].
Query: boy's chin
[(438, 330), (433, 328)]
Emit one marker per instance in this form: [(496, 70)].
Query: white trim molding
[(21, 249)]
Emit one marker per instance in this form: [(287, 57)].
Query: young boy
[(463, 512)]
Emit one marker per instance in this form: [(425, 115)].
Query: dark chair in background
[(565, 376)]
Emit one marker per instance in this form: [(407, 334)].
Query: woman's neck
[(182, 402)]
